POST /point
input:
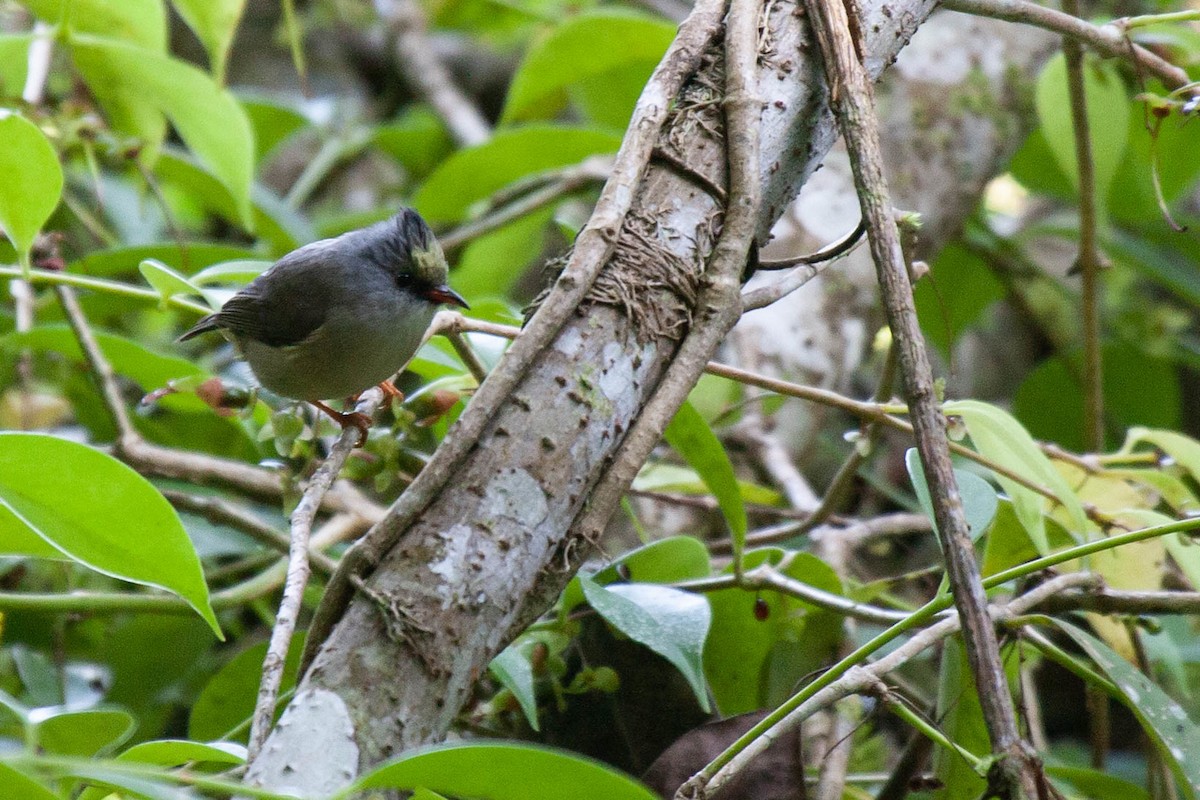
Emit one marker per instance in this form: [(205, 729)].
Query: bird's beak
[(444, 294)]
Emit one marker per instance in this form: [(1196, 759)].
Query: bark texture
[(496, 547)]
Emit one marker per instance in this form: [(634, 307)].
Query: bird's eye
[(404, 280)]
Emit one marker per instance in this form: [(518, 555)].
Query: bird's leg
[(356, 418)]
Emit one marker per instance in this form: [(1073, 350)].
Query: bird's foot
[(391, 391), (347, 419)]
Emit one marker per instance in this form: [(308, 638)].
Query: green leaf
[(476, 173), (273, 122), (16, 784), (660, 477), (138, 22), (964, 276), (1092, 783), (493, 263), (32, 183), (235, 272), (693, 439), (569, 56), (208, 118), (417, 139), (762, 643), (1132, 195), (84, 733), (282, 228), (176, 752), (670, 622), (676, 558), (227, 700), (1183, 449), (166, 281), (979, 499), (503, 771), (1001, 438), (98, 512), (1166, 723), (1108, 111), (214, 22), (512, 668), (14, 63), (1139, 389)]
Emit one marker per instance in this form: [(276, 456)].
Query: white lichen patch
[(312, 751)]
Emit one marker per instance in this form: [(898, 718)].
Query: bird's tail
[(205, 325)]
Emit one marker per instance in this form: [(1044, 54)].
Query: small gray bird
[(341, 315)]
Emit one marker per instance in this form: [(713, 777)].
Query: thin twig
[(298, 570), (425, 72), (1089, 255), (1107, 40), (219, 510), (856, 679), (853, 101), (566, 181)]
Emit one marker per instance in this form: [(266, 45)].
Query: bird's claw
[(347, 419)]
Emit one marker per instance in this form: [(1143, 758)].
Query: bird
[(338, 316)]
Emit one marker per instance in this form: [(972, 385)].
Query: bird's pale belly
[(336, 363)]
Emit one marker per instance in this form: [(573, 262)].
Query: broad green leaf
[(98, 512), (417, 139), (693, 439), (1167, 725), (965, 276), (279, 226), (1108, 112), (84, 733), (208, 118), (761, 643), (137, 22), (670, 622), (214, 22), (174, 752), (978, 497), (235, 272), (227, 700), (153, 661), (32, 181), (17, 784), (1183, 449), (512, 668), (125, 784), (1096, 785), (1132, 196), (660, 477), (503, 771), (490, 265), (14, 63), (476, 173), (166, 281), (273, 122), (676, 558), (1002, 439), (1139, 389), (569, 55)]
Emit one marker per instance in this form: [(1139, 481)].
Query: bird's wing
[(287, 314)]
